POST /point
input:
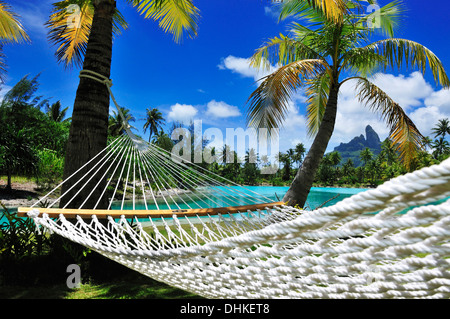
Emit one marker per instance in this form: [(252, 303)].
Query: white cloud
[(221, 110), (408, 91), (3, 90), (271, 12), (426, 118), (183, 113), (242, 66), (294, 129), (352, 118), (417, 97), (412, 92), (33, 16), (440, 99), (437, 106)]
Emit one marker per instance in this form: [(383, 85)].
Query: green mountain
[(352, 149)]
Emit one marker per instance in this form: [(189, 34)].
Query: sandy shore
[(22, 194)]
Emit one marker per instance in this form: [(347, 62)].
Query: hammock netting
[(189, 228)]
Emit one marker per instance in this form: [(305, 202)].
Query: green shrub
[(50, 168)]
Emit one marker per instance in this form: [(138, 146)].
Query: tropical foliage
[(332, 47), (116, 124), (319, 55), (32, 142), (173, 16), (83, 32)]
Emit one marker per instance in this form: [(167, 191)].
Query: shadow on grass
[(131, 287)]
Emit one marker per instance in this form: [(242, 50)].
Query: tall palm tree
[(440, 147), (83, 32), (299, 153), (442, 128), (153, 122), (322, 55), (388, 151), (11, 31), (291, 153)]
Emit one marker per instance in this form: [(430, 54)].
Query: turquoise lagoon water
[(248, 195), (317, 196)]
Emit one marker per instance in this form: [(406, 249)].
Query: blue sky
[(207, 78)]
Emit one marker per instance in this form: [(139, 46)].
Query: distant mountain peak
[(358, 143), (372, 138)]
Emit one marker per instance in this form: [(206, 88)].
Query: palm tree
[(316, 57), (348, 168), (87, 41), (154, 121), (333, 10), (116, 124), (299, 153), (55, 113), (291, 153), (11, 31), (163, 140), (17, 154), (23, 94), (427, 142), (388, 151), (442, 128), (335, 158), (366, 155), (285, 158), (440, 147), (227, 154)]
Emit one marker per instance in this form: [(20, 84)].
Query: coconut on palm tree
[(83, 32), (322, 54), (153, 122)]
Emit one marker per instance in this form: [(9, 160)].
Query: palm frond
[(10, 27), (399, 52), (363, 61), (68, 34), (317, 92), (269, 103), (404, 134), (282, 50), (70, 26), (385, 19), (333, 10), (2, 66), (174, 16)]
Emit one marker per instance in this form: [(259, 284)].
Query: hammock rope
[(190, 229)]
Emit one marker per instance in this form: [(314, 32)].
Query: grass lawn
[(135, 286)]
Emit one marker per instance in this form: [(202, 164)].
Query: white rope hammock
[(194, 230)]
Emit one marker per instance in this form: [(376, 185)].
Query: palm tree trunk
[(89, 128), (301, 185), (8, 183)]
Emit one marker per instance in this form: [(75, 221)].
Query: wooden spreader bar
[(103, 213)]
